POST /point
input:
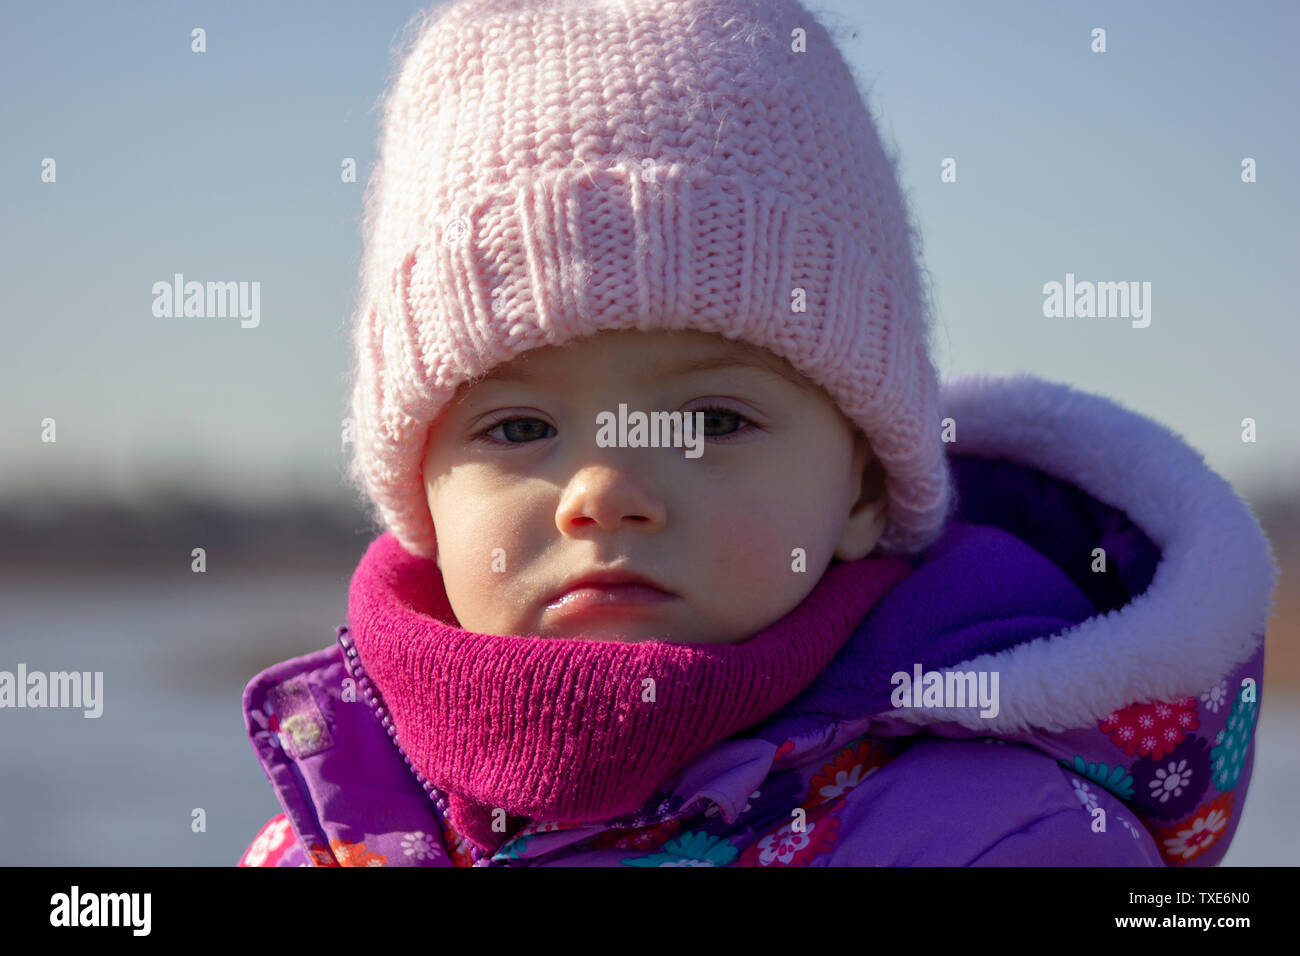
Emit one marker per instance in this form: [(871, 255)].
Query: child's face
[(513, 464)]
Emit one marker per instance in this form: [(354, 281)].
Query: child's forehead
[(658, 354)]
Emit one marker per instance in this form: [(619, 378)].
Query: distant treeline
[(307, 535), (96, 531)]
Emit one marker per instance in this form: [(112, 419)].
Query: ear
[(870, 512)]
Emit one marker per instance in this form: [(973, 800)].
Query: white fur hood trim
[(1206, 607)]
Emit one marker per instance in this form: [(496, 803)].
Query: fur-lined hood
[(1203, 612)]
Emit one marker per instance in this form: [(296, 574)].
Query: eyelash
[(483, 436)]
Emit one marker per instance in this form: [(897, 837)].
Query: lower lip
[(610, 597)]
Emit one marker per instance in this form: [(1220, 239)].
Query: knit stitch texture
[(562, 729)]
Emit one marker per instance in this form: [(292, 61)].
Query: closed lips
[(610, 579)]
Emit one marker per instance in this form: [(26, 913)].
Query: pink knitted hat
[(549, 170)]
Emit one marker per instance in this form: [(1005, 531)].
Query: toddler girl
[(860, 620)]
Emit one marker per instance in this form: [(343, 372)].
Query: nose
[(609, 499)]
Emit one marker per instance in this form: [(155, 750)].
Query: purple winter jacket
[(1116, 586)]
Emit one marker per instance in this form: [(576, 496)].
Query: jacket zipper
[(356, 670)]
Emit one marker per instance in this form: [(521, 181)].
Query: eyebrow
[(671, 368)]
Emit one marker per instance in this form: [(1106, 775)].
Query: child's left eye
[(716, 411)]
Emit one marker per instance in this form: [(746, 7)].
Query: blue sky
[(1116, 166)]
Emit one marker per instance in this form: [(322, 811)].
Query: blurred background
[(176, 433)]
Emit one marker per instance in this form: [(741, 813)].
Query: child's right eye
[(524, 435)]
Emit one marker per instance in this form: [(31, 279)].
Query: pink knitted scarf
[(563, 730)]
